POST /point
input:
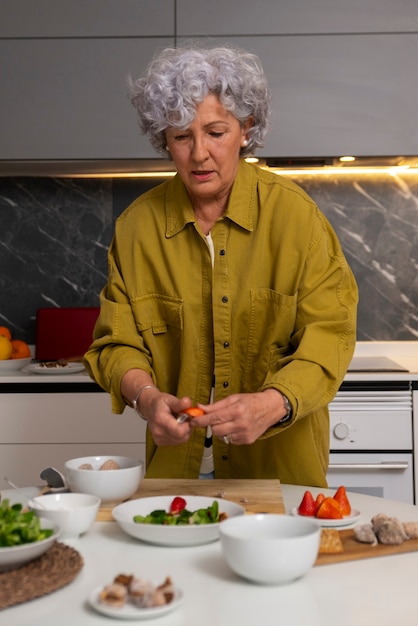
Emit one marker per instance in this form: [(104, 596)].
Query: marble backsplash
[(54, 236)]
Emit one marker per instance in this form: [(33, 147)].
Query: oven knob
[(341, 430)]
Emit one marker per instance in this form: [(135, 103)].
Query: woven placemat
[(54, 569)]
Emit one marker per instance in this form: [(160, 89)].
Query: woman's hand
[(242, 418), (160, 410), (157, 408)]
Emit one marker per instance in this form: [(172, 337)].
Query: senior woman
[(227, 288)]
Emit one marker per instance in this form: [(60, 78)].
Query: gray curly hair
[(180, 78)]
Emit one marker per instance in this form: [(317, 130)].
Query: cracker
[(330, 541)]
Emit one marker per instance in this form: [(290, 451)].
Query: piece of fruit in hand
[(177, 505), (187, 414), (329, 509), (307, 506), (342, 499)]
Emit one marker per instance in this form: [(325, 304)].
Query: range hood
[(66, 168)]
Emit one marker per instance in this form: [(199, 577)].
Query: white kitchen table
[(379, 591)]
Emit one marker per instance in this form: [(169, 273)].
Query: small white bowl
[(108, 485), (74, 513), (268, 548), (15, 556), (13, 365)]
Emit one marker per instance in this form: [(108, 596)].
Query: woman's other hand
[(242, 418)]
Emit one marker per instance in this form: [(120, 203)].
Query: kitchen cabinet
[(63, 78), (341, 74), (269, 17), (45, 428), (67, 98), (338, 95), (78, 18)]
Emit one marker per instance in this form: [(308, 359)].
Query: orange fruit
[(20, 349), (329, 509), (5, 332), (5, 348)]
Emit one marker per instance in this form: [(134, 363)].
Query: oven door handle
[(370, 466)]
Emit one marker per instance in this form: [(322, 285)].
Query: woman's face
[(206, 154)]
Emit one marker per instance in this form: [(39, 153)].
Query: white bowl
[(13, 365), (172, 535), (74, 513), (269, 548), (15, 556), (108, 485)]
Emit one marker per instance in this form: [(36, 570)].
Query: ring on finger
[(228, 439)]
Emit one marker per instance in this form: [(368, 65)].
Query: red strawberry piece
[(342, 499), (329, 509), (319, 500), (307, 505), (177, 505)]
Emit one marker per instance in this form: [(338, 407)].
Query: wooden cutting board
[(256, 496), (354, 550)]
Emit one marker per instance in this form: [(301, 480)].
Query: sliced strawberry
[(342, 499), (177, 505), (307, 505), (319, 500), (329, 509)]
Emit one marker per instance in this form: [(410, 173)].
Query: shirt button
[(222, 252), (226, 344), (225, 384), (224, 457), (224, 298)]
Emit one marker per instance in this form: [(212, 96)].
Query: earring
[(167, 148), (244, 143)]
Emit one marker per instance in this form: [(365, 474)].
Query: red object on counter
[(64, 333)]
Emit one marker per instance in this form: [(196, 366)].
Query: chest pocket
[(158, 314)]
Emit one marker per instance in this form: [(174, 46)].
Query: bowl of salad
[(23, 536), (175, 520)]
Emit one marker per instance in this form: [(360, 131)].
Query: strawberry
[(177, 505), (342, 499), (329, 509), (307, 505), (319, 500)]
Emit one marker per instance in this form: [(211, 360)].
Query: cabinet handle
[(369, 466)]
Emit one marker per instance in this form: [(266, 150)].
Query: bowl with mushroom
[(110, 478)]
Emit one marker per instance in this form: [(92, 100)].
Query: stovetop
[(375, 364)]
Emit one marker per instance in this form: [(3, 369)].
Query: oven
[(371, 439)]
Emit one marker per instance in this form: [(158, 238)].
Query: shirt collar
[(241, 204)]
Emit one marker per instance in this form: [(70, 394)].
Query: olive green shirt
[(277, 310)]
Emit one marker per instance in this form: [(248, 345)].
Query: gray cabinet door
[(334, 96), (273, 17), (86, 18), (67, 98)]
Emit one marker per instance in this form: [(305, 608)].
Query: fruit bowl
[(13, 365)]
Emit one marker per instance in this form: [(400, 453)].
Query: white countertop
[(371, 592), (405, 353)]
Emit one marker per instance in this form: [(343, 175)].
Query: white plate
[(70, 368), (16, 556), (333, 523), (132, 612), (172, 535)]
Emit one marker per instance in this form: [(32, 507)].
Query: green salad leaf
[(17, 527), (210, 515)]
